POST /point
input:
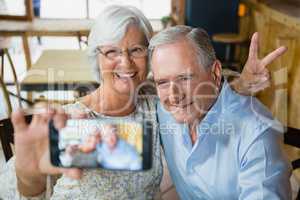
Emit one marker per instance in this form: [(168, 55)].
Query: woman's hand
[(255, 75), (30, 143), (32, 149)]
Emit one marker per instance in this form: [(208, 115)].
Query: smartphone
[(98, 143)]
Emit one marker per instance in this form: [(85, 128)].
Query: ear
[(217, 72)]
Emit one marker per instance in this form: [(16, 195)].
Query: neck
[(106, 101), (194, 123), (193, 131), (209, 105)]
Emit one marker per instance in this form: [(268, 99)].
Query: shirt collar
[(214, 116)]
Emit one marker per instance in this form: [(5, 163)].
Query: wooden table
[(44, 27), (60, 70), (50, 27)]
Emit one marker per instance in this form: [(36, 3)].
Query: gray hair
[(110, 27), (198, 37)]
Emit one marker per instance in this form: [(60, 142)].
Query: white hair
[(198, 37), (111, 26)]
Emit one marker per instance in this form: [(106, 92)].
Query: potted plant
[(166, 21)]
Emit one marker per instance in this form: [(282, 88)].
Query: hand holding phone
[(107, 144)]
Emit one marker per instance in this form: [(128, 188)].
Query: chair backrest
[(292, 137), (7, 136), (6, 96), (5, 42)]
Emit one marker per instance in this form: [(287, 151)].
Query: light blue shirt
[(237, 154), (123, 157)]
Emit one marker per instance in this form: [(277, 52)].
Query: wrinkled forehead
[(174, 58), (116, 31), (132, 36)]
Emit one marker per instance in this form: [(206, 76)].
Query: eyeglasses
[(112, 53)]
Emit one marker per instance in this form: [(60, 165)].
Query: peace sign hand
[(255, 75)]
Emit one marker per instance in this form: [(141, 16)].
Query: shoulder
[(245, 110), (254, 132), (248, 117)]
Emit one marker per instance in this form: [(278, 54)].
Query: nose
[(175, 94), (125, 60)]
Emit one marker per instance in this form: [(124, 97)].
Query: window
[(153, 9), (12, 7)]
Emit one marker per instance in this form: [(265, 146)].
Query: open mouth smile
[(126, 75), (182, 106)]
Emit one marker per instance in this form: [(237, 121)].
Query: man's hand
[(255, 75)]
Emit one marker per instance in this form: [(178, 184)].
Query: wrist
[(238, 86), (31, 186)]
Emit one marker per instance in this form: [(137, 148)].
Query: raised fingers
[(18, 121), (60, 118), (42, 113), (78, 114), (253, 51), (273, 55)]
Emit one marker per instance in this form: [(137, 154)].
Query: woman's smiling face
[(123, 73)]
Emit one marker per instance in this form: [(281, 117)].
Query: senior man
[(218, 144)]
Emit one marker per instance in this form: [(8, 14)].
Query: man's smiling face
[(185, 87)]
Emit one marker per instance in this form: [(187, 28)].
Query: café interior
[(43, 43)]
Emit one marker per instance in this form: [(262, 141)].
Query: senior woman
[(118, 50)]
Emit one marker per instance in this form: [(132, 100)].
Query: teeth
[(182, 106), (126, 75)]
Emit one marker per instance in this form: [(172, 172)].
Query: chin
[(124, 89), (184, 117), (180, 120), (180, 117)]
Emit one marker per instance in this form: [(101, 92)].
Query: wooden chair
[(6, 97), (292, 138), (4, 45), (7, 136), (236, 40)]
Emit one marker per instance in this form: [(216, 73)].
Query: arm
[(255, 76), (264, 171), (32, 163), (30, 143), (8, 182)]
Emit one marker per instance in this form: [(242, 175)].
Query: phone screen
[(107, 144)]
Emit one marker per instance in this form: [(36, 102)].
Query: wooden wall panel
[(283, 97)]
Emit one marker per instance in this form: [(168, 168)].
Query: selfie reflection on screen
[(108, 146)]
